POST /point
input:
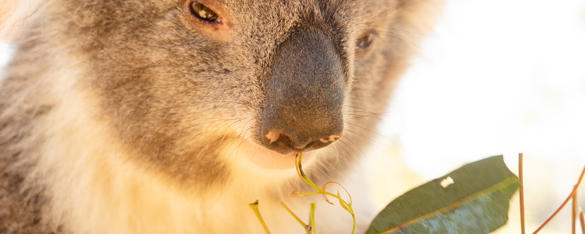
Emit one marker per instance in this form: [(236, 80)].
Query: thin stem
[(564, 203), (312, 218), (344, 204), (256, 210), (521, 177), (582, 218), (342, 187), (299, 167), (574, 214), (353, 230), (305, 226)]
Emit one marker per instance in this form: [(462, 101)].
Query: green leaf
[(472, 199)]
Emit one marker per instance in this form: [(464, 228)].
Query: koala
[(171, 116)]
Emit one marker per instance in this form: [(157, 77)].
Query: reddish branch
[(564, 203), (521, 177), (574, 214)]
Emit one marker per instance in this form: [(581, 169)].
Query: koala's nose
[(304, 94)]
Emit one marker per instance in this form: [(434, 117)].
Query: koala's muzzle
[(303, 95)]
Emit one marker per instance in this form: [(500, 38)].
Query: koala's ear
[(12, 16)]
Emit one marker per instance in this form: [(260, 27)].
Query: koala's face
[(189, 85)]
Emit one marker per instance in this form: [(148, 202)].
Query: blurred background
[(495, 77)]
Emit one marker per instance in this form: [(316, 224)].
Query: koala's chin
[(268, 159)]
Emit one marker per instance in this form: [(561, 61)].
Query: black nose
[(304, 94)]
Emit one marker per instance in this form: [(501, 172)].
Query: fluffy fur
[(121, 116)]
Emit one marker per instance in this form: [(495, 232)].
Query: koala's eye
[(208, 18), (203, 12), (366, 40)]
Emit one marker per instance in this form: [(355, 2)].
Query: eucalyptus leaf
[(472, 199)]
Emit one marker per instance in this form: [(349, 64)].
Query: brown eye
[(366, 40), (203, 13), (207, 17)]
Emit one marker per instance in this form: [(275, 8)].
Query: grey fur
[(155, 73)]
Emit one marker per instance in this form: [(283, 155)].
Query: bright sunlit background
[(496, 77)]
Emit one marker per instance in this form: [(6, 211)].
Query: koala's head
[(190, 85)]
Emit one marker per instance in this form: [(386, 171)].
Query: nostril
[(272, 136), (281, 139), (282, 142), (330, 139)]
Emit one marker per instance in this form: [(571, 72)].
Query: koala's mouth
[(269, 159)]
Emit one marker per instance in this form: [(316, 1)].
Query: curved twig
[(564, 203)]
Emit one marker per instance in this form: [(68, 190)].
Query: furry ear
[(13, 14)]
